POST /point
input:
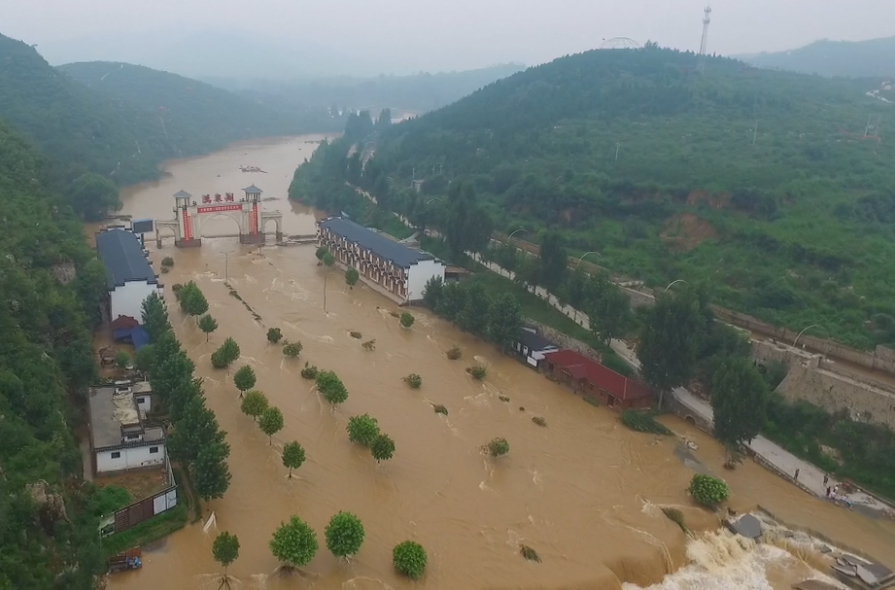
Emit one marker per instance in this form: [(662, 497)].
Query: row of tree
[(497, 318), (197, 442), (295, 544)]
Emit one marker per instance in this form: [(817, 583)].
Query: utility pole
[(617, 146), (755, 132), (703, 46), (226, 268)]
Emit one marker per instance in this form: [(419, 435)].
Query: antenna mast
[(705, 37)]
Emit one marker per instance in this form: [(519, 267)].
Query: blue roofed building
[(402, 271), (130, 278)]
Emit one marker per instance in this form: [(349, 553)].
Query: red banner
[(219, 208)]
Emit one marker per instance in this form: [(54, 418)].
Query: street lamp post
[(674, 283), (803, 331)]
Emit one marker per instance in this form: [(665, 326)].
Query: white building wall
[(130, 458), (419, 274), (128, 299)]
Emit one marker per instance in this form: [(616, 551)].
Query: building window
[(141, 400), (116, 454), (153, 449)]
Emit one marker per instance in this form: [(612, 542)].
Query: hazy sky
[(399, 36)]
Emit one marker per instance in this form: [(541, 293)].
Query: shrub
[(677, 517), (529, 553), (344, 534), (292, 349), (707, 490), (369, 344), (478, 372), (454, 353), (122, 359), (383, 448), (225, 355), (108, 499), (331, 387), (274, 335), (167, 261), (439, 409), (309, 372), (413, 380), (643, 421), (321, 252), (409, 559), (362, 429), (504, 399), (498, 447), (357, 335), (407, 319), (539, 421)]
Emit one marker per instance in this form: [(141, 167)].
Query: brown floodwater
[(584, 491)]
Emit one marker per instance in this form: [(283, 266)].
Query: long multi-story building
[(399, 269)]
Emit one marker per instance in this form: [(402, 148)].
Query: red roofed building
[(593, 380)]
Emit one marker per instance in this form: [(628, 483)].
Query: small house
[(120, 440), (129, 276), (531, 347), (591, 379)]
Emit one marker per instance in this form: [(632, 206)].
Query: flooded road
[(584, 491)]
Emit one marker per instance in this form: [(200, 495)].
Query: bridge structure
[(190, 216)]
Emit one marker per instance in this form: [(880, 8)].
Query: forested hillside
[(49, 279), (770, 187), (73, 124), (193, 117), (858, 59)]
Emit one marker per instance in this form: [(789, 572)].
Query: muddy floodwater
[(583, 491)]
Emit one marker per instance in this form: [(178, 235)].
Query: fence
[(141, 510)]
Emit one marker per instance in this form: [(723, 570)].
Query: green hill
[(73, 124), (857, 59), (192, 117), (49, 278), (632, 154)]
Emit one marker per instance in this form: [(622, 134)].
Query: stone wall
[(835, 392), (768, 351), (564, 340), (683, 412)]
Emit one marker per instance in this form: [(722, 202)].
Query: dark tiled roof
[(581, 367), (252, 190), (534, 341), (182, 194), (121, 253), (380, 245)]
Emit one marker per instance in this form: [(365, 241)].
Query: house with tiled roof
[(130, 278), (589, 378)]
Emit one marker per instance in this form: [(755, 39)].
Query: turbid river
[(584, 492)]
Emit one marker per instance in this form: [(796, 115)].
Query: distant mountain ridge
[(856, 59), (193, 115)]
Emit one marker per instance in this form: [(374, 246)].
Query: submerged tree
[(294, 543), (351, 276), (225, 550), (208, 325), (409, 559), (274, 335), (362, 429), (244, 379), (382, 448), (344, 534), (254, 403), (271, 422), (155, 316), (293, 456)]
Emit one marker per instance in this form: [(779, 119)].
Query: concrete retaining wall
[(835, 392), (685, 413)]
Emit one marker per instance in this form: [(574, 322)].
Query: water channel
[(584, 491)]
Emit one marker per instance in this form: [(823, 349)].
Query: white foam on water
[(723, 561), (211, 523)]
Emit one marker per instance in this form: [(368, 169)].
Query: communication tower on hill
[(703, 46)]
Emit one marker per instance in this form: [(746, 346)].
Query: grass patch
[(643, 421), (677, 517), (529, 553), (147, 531), (592, 401)]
